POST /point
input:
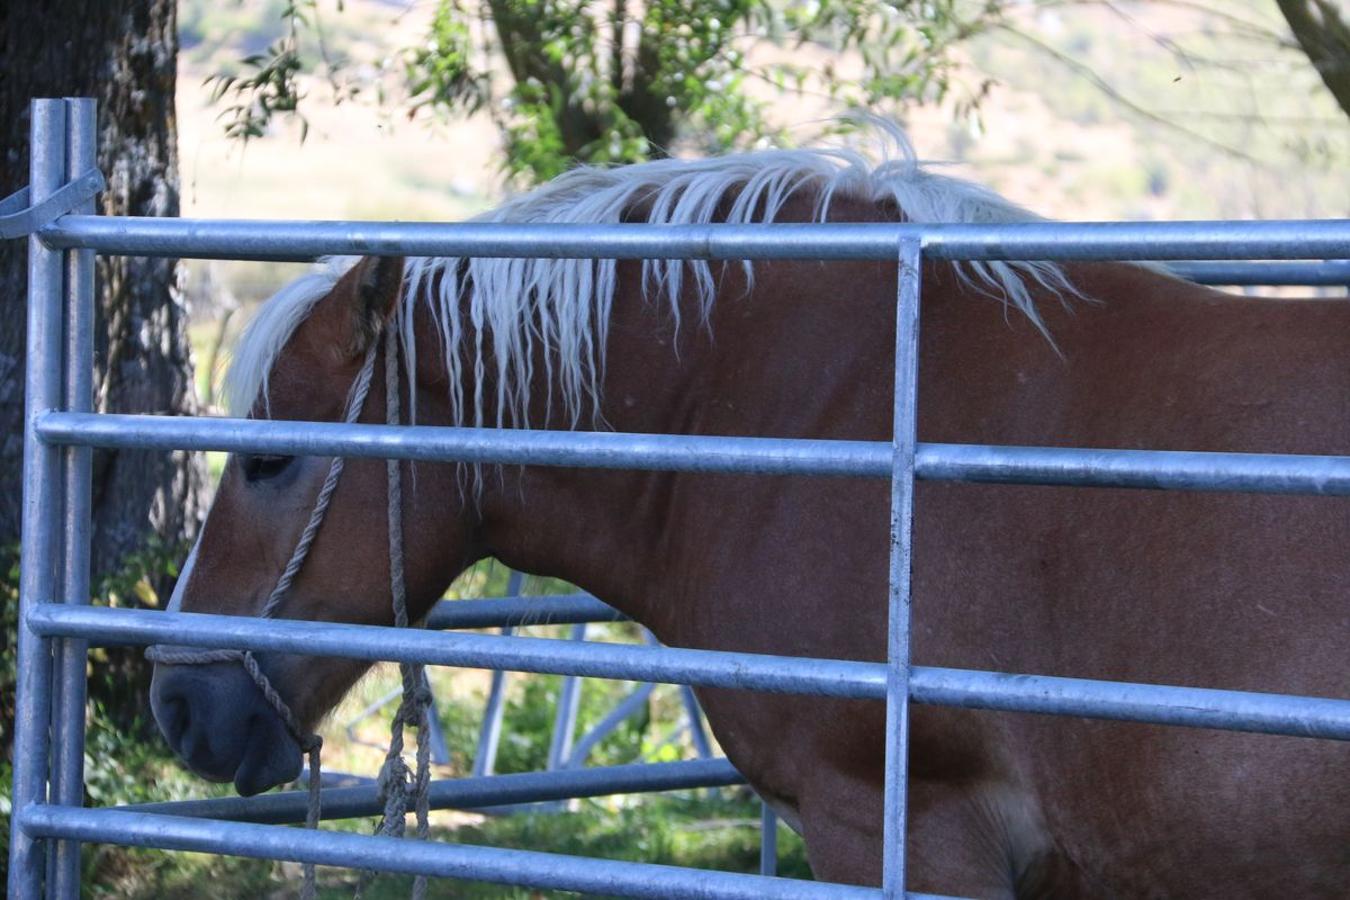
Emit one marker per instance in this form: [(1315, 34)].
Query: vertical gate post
[(902, 546), (37, 563), (67, 788)]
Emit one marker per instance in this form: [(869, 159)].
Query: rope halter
[(396, 781)]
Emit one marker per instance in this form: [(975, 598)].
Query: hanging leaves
[(620, 81)]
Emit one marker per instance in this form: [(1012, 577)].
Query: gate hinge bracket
[(18, 219)]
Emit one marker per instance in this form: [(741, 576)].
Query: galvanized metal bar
[(1174, 470), (67, 774), (21, 215), (440, 748), (477, 792), (1063, 466), (490, 734), (371, 709), (768, 840), (300, 240), (432, 444), (1323, 273), (903, 445), (1250, 711), (694, 714), (554, 609), (1159, 704), (521, 867), (41, 486), (565, 715), (714, 668)]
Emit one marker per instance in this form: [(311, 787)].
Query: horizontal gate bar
[(1291, 715), (676, 665), (289, 807), (1327, 273), (1157, 704), (1065, 466), (473, 445), (412, 857), (503, 612), (303, 240)]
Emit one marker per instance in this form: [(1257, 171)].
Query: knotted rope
[(414, 709)]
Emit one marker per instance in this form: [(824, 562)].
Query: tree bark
[(124, 53), (1325, 38)]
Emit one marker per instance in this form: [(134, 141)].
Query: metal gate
[(56, 627)]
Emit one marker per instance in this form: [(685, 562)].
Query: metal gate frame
[(57, 626)]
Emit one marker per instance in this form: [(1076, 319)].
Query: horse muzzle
[(219, 724)]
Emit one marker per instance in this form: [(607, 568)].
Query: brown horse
[(1231, 591)]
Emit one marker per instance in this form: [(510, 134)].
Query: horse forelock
[(502, 312), (270, 330)]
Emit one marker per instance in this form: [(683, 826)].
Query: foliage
[(122, 766), (119, 677), (9, 628), (571, 80), (122, 763), (529, 715), (268, 87)]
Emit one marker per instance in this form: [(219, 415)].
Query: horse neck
[(600, 529), (767, 363)]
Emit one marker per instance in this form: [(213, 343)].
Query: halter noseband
[(414, 708)]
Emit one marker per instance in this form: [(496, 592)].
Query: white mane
[(507, 305)]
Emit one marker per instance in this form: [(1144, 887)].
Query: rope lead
[(398, 786)]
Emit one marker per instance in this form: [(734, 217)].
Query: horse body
[(1241, 592)]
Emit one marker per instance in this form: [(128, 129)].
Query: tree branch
[(1087, 73), (1326, 43)]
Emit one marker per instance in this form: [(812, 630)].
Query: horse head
[(313, 349)]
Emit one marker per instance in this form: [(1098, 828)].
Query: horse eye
[(261, 468)]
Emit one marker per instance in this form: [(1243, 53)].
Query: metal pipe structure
[(41, 489), (1183, 470), (489, 736), (1326, 273), (628, 662), (59, 425), (514, 612), (475, 792), (565, 715), (694, 714), (1067, 241), (622, 712), (768, 840), (522, 867), (1158, 704), (67, 770), (904, 442)]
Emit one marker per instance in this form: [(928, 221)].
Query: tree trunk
[(124, 53), (1325, 38)]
